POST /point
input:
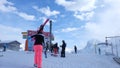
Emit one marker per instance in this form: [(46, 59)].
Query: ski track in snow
[(23, 59)]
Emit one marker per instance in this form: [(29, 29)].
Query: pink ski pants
[(55, 51), (38, 55)]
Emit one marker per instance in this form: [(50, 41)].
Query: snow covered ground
[(21, 59)]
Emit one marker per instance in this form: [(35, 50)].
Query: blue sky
[(75, 21)]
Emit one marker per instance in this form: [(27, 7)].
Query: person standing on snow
[(63, 48), (99, 51), (38, 47), (4, 47), (55, 49), (75, 48), (46, 48)]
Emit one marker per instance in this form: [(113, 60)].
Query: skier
[(46, 48), (75, 48), (38, 47), (99, 51), (63, 48), (55, 49), (4, 48)]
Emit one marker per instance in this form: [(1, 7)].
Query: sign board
[(24, 33), (31, 41), (24, 36)]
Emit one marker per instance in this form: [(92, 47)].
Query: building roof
[(9, 41)]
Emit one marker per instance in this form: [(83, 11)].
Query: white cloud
[(47, 11), (6, 6), (5, 29), (10, 33), (66, 4), (84, 16), (108, 23), (70, 29), (5, 2), (79, 6), (26, 16)]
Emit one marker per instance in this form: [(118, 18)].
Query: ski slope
[(21, 59)]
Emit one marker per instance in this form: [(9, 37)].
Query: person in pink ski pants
[(38, 55), (38, 47)]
